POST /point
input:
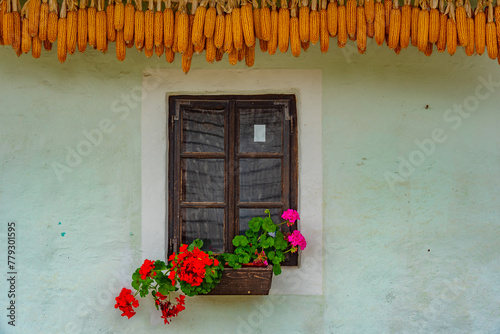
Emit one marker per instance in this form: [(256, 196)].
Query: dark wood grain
[(244, 281)]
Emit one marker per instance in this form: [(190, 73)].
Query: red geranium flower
[(170, 310), (146, 268), (125, 302)]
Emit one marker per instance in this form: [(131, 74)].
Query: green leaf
[(271, 255), (269, 242), (250, 233), (268, 225), (255, 223), (198, 243), (277, 269), (160, 265), (240, 240), (280, 242)]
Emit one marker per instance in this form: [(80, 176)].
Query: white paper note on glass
[(259, 133)]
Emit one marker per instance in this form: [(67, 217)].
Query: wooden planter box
[(244, 281)]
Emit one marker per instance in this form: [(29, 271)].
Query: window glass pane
[(203, 180), (203, 131), (260, 180), (247, 214), (206, 224), (260, 130)]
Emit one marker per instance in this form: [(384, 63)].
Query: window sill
[(244, 281)]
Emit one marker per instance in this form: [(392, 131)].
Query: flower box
[(244, 281)]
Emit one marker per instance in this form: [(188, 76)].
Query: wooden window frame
[(231, 104)]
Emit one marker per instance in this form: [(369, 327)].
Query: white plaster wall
[(421, 256)]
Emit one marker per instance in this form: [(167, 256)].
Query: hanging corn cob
[(305, 45), (187, 56), (304, 21), (36, 47), (168, 25), (3, 8), (361, 27), (169, 55), (210, 50), (342, 25), (434, 23), (387, 15), (175, 44), (139, 26), (119, 15), (44, 17), (199, 21), (158, 26), (149, 19), (61, 34), (350, 14), (294, 30), (480, 28), (220, 28), (34, 16), (71, 27), (82, 31), (415, 13), (129, 22), (247, 23), (100, 27), (219, 54), (370, 11), (265, 21), (110, 21), (394, 26), (52, 21), (497, 20), (47, 45), (451, 29), (404, 35), (283, 27), (332, 17), (8, 24), (210, 18), (16, 19), (379, 22), (25, 33), (443, 23), (423, 27), (237, 29), (324, 35), (91, 25), (491, 33), (314, 22), (461, 17), (469, 49), (272, 44), (370, 29), (256, 19), (228, 33), (250, 55), (121, 48)]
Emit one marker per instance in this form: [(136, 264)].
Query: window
[(230, 158)]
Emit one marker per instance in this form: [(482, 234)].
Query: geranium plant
[(194, 271)]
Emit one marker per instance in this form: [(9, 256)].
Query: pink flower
[(290, 216), (297, 239)]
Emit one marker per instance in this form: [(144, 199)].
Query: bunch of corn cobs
[(236, 26)]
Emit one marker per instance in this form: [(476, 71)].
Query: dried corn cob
[(415, 13), (3, 9), (220, 27), (8, 25), (247, 23), (34, 16), (387, 15), (100, 27), (47, 45), (404, 36), (361, 29), (263, 45), (294, 31), (324, 36), (149, 31), (332, 17), (434, 22), (61, 34), (342, 25), (237, 29), (71, 27), (370, 29), (169, 55), (199, 22), (121, 49), (25, 37), (210, 50), (159, 49), (395, 26), (379, 22), (91, 26), (283, 27), (52, 21), (158, 27), (250, 55), (480, 28), (82, 31), (210, 18), (129, 22), (36, 47), (198, 48), (256, 19), (451, 29), (304, 21), (241, 52), (228, 33), (44, 19), (149, 52), (461, 17), (314, 22), (110, 21), (469, 49), (423, 27), (350, 14), (370, 10), (272, 44), (233, 57), (16, 19), (305, 45), (219, 54), (139, 27), (265, 21), (428, 50), (491, 33), (119, 15), (497, 20)]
